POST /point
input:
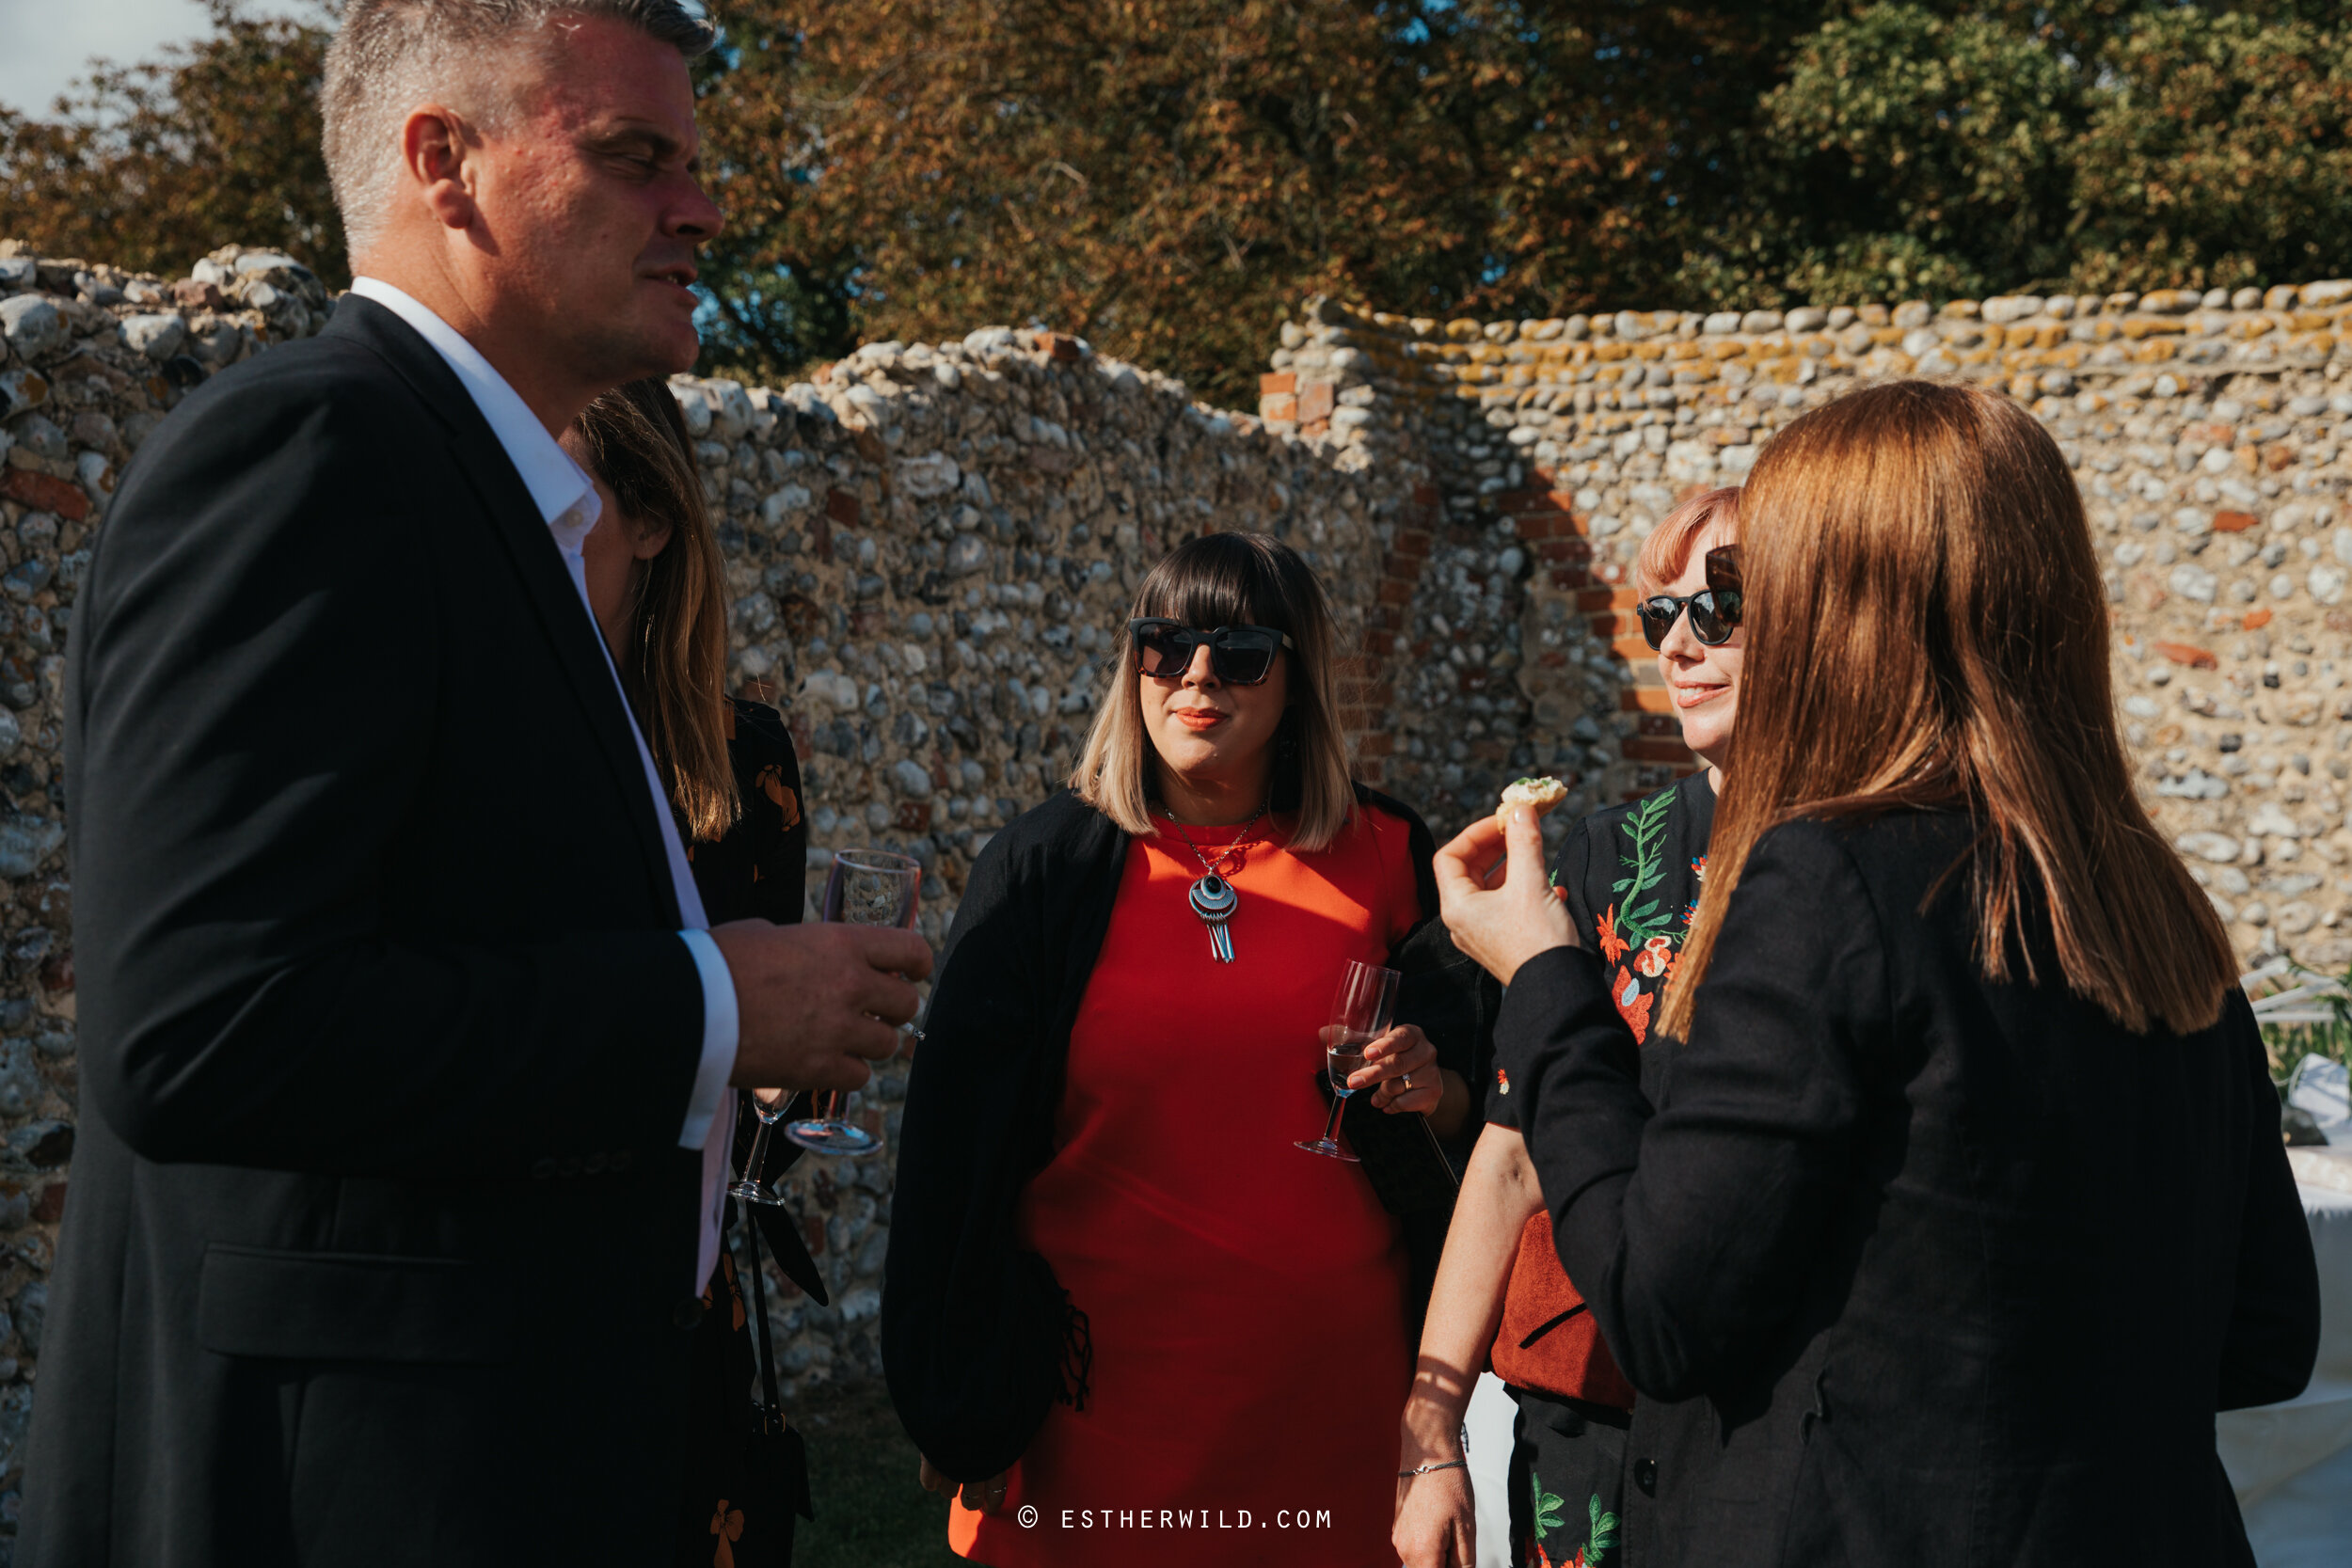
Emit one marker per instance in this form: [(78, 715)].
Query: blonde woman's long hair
[(1927, 627), (1228, 579), (674, 664)]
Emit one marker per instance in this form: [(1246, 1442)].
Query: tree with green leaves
[(1169, 177), (1941, 151)]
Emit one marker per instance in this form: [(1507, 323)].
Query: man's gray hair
[(391, 56)]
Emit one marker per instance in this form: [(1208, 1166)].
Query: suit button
[(1644, 1474), (688, 1314)]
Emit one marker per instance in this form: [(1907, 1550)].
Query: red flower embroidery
[(1634, 1005), (727, 1525), (1612, 945), (1657, 957), (770, 782)]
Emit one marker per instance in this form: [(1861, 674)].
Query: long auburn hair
[(1927, 627), (1227, 579), (675, 665)]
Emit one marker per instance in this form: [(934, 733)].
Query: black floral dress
[(1630, 877), (733, 1514)]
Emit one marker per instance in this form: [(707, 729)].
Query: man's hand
[(818, 1003), (1500, 908)]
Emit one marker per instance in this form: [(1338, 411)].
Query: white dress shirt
[(569, 504)]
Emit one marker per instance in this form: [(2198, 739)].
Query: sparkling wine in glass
[(865, 887), (1360, 1013)]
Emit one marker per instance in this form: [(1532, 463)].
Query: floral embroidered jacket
[(1632, 876)]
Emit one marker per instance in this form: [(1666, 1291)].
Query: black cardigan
[(1908, 1267), (977, 1337)]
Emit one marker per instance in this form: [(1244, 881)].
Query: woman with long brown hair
[(656, 584), (1960, 1207)]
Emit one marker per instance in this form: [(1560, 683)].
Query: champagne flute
[(865, 887), (748, 1187), (1360, 1013)]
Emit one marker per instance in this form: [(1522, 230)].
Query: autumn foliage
[(1169, 177), (151, 165)]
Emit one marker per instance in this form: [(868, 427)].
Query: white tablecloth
[(2292, 1463)]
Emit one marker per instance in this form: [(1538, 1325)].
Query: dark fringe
[(1077, 1359)]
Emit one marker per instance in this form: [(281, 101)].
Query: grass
[(2289, 1043), (2330, 1037), (871, 1512)]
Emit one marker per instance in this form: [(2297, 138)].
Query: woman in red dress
[(1125, 1319)]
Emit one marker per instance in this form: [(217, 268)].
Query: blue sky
[(49, 42)]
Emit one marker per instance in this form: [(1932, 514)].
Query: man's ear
[(435, 152)]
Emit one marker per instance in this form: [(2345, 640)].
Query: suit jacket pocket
[(356, 1307)]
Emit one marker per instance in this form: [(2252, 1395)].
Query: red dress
[(1245, 1299)]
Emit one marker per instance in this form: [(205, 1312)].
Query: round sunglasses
[(1240, 655), (1714, 611)]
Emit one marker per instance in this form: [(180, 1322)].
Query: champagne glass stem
[(1331, 1122), (755, 1165)]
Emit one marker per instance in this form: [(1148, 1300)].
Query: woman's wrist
[(1431, 1429)]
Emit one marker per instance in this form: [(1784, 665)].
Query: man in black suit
[(407, 1063)]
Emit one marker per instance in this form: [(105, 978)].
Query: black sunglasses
[(1241, 655), (1714, 609)]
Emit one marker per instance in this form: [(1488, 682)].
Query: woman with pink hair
[(1631, 875)]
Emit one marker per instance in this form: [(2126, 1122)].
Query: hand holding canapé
[(1499, 905)]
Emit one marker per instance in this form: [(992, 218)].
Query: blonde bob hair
[(1926, 628), (1228, 579)]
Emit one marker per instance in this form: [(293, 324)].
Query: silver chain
[(1239, 847)]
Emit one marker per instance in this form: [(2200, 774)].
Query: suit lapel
[(514, 516)]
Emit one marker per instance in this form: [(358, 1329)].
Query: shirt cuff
[(720, 1026)]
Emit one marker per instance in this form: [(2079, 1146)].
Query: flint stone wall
[(932, 548), (2211, 435)]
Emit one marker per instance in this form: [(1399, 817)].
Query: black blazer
[(385, 1021), (977, 1337), (1909, 1268)]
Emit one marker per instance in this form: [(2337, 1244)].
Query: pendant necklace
[(1213, 897)]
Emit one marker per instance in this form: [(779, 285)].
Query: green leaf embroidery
[(1547, 1507), (1604, 1534), (1646, 824)]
